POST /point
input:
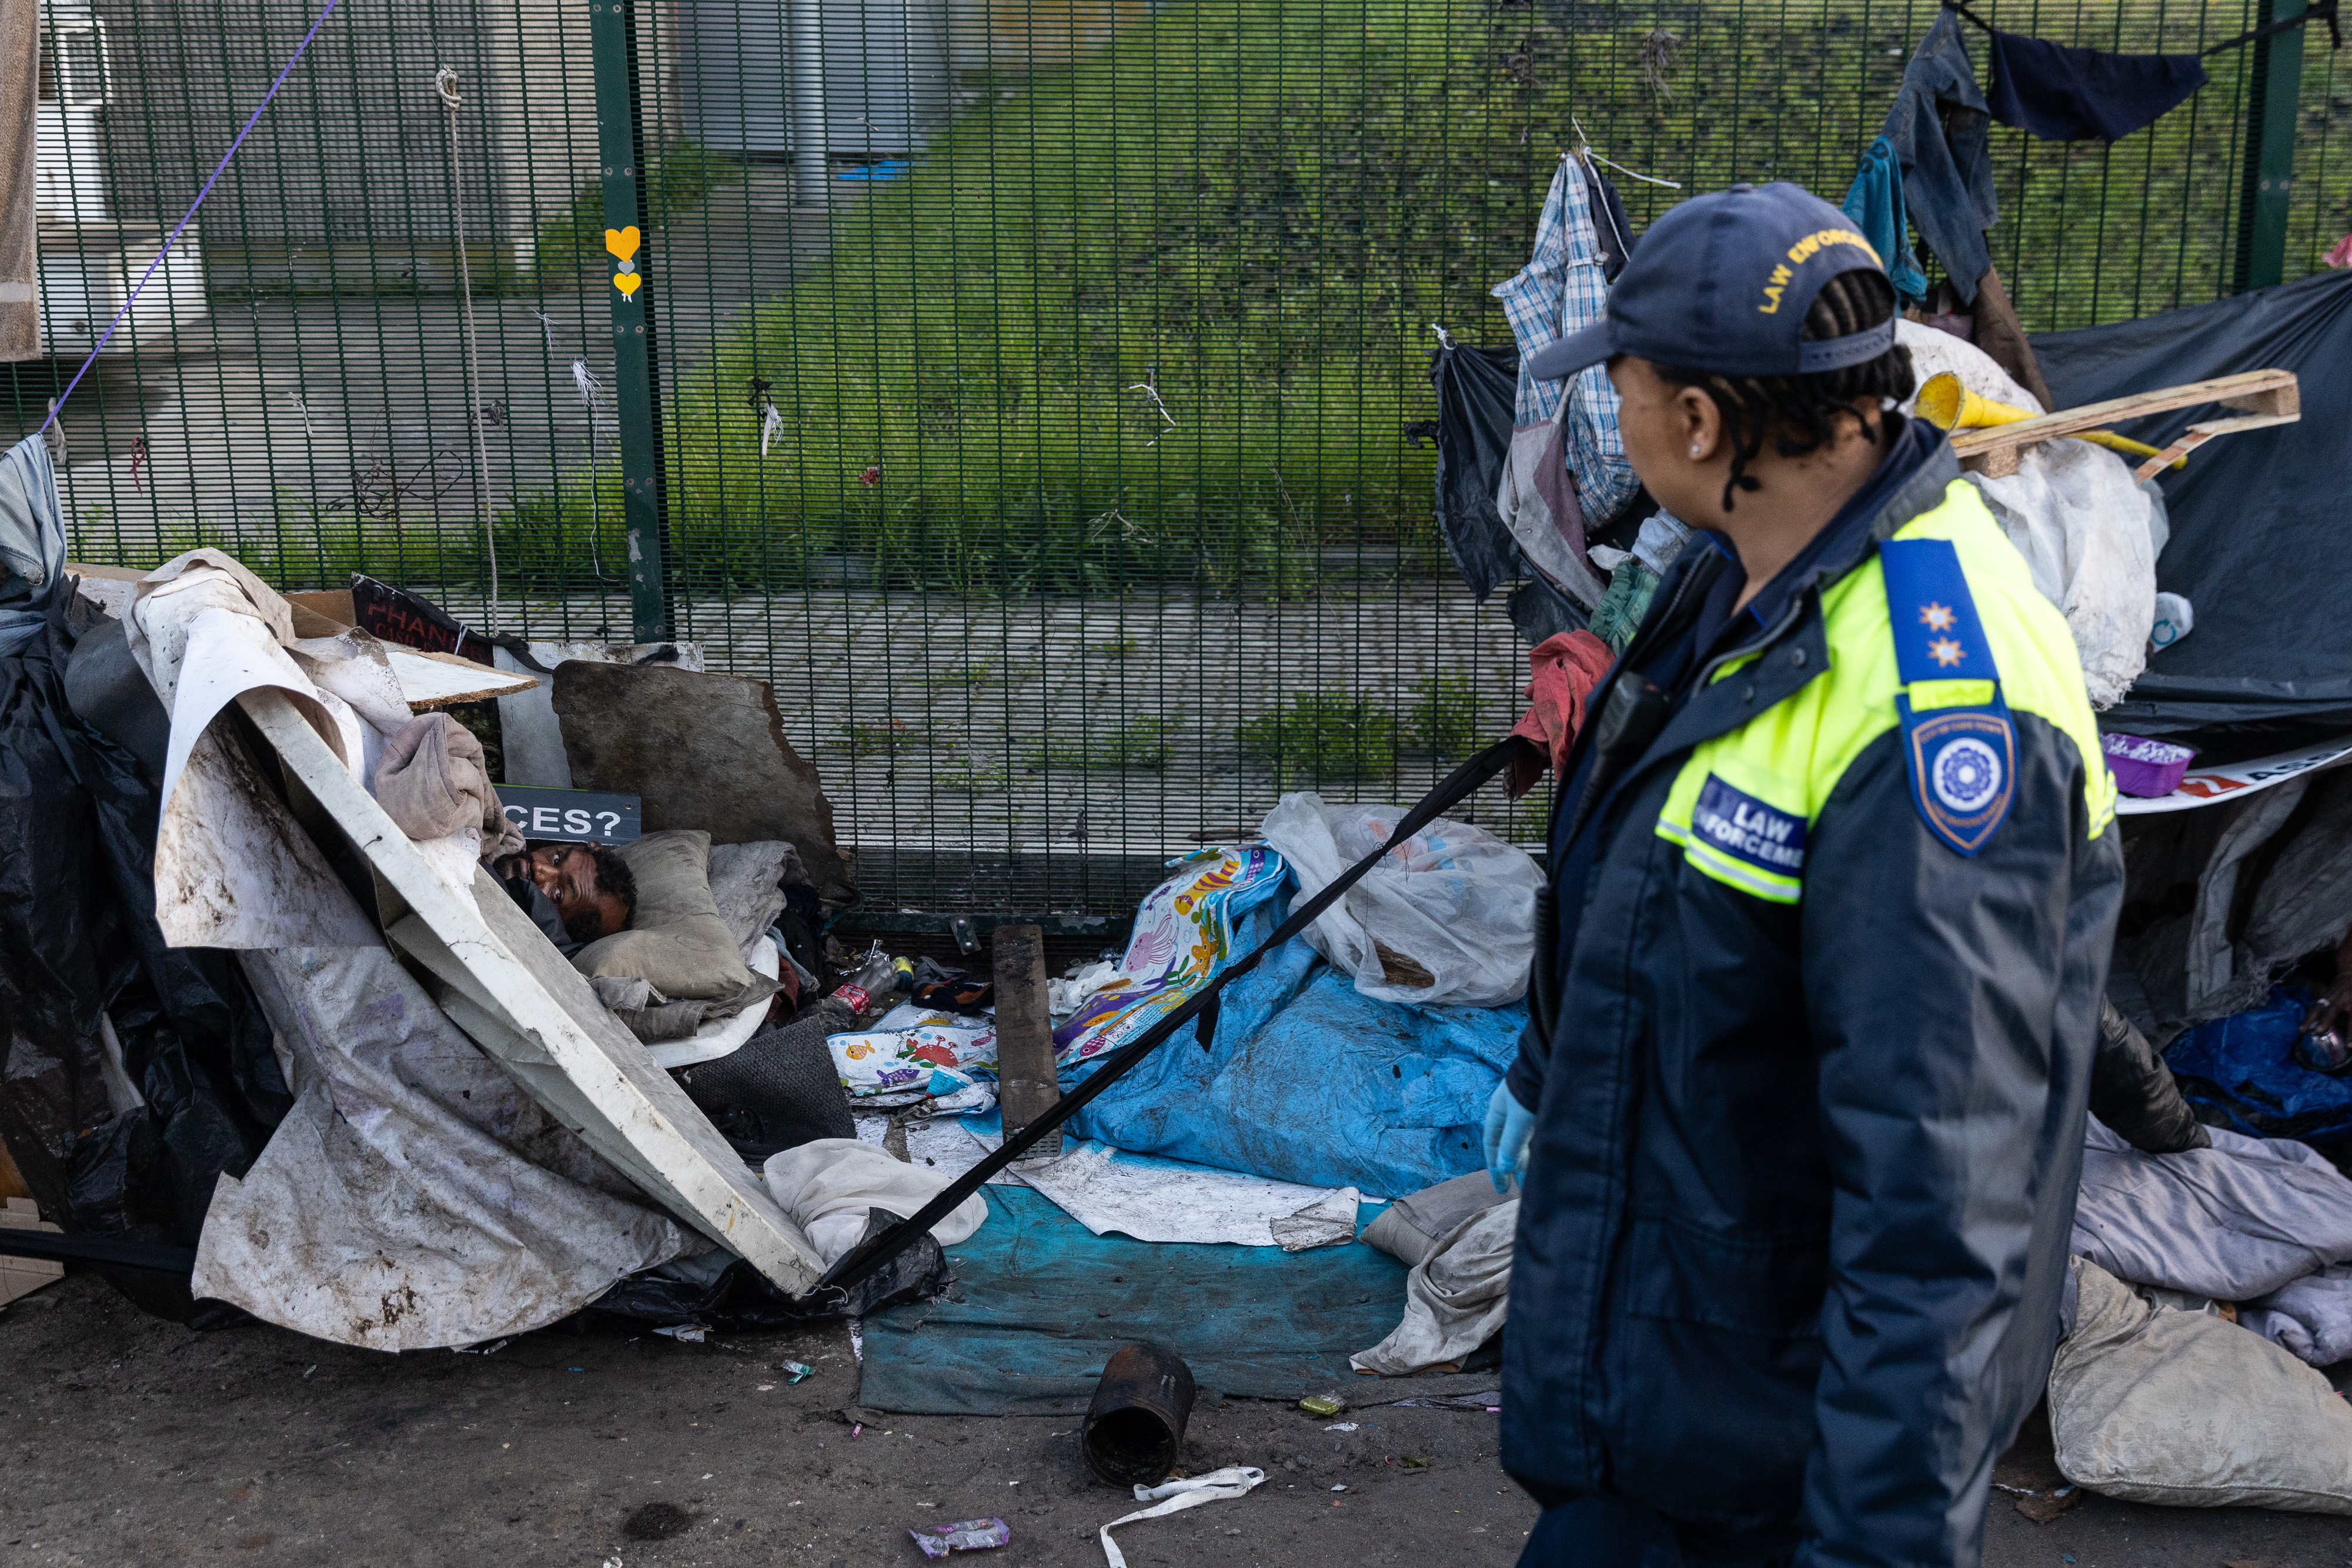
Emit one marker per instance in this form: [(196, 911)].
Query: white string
[(445, 82), (591, 389), (1215, 1487), (1584, 147)]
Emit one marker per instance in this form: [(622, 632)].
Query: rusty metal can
[(1134, 1432)]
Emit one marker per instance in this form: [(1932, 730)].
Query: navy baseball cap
[(1722, 283)]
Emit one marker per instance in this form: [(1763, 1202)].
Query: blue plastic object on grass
[(2244, 1066)]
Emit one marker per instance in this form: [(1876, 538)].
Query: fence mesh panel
[(1037, 377)]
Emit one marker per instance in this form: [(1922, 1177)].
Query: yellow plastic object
[(1946, 404), (2128, 447)]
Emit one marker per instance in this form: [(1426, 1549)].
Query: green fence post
[(621, 144), (2272, 104)]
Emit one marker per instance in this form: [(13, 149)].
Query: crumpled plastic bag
[(2084, 526), (1446, 918)]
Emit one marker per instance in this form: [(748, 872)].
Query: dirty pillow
[(677, 939)]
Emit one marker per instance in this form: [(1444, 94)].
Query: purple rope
[(166, 249)]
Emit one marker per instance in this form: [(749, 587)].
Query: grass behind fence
[(1161, 316)]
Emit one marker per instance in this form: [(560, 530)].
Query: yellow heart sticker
[(628, 282), (622, 242)]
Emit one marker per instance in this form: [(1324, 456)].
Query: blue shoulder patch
[(1962, 761)]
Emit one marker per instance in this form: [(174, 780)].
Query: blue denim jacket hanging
[(1938, 128)]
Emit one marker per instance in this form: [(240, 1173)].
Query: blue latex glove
[(1510, 1127)]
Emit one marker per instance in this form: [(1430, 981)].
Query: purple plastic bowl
[(2146, 767)]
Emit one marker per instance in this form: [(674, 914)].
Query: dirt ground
[(125, 1439)]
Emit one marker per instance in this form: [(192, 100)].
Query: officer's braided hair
[(1802, 411)]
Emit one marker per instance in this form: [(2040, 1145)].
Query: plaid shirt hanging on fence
[(1563, 290)]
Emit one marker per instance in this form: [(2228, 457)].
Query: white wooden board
[(530, 1010)]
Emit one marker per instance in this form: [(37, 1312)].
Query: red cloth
[(1562, 671)]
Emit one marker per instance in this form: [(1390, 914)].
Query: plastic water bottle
[(878, 982)]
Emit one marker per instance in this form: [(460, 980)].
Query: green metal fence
[(1020, 388)]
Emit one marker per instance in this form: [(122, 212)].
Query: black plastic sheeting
[(78, 938), (2258, 544), (740, 1300), (1476, 391)]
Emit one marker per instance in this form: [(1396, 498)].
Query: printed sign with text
[(579, 816)]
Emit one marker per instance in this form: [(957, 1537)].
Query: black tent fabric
[(78, 942), (2258, 544), (1476, 389)]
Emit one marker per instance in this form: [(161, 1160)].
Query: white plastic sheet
[(1447, 918), (1155, 1200), (2074, 512)]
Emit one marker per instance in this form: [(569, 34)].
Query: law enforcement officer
[(1799, 1117)]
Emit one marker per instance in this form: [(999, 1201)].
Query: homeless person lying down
[(573, 892)]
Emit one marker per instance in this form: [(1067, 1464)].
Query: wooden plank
[(328, 603), (430, 680), (12, 1180), (21, 1276), (2197, 436), (541, 1021), (1024, 1034), (2239, 391)]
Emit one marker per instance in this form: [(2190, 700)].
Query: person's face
[(1675, 440), (567, 874)]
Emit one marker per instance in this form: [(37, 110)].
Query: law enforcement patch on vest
[(1963, 773), (1733, 823), (1962, 759)]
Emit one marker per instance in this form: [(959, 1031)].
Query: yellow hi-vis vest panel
[(1744, 801)]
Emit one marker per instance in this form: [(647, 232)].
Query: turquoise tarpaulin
[(1044, 1302)]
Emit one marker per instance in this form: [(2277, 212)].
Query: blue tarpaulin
[(2244, 1065), (1311, 1082), (1044, 1303)]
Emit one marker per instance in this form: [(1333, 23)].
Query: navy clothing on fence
[(1939, 128), (2064, 94)]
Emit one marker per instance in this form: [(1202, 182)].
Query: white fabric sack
[(828, 1184), (2156, 1404), (1447, 918), (1455, 1299), (2074, 512)]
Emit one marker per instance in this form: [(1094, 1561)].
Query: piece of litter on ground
[(1215, 1487), (765, 1388), (692, 1333), (1340, 1489), (797, 1368), (964, 1535), (1341, 1426), (1322, 1405)]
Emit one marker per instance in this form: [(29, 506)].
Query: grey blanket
[(2233, 1222)]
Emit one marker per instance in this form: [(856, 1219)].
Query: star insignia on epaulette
[(1946, 650), (1937, 617)]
